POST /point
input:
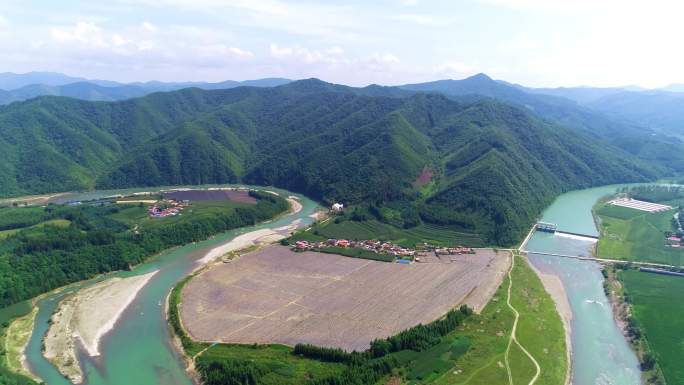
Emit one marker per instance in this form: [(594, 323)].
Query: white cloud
[(454, 69), (3, 22), (84, 33), (302, 54), (334, 51), (419, 19), (149, 27)]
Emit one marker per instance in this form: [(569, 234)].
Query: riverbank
[(652, 373), (16, 339), (75, 319), (554, 287), (253, 238)]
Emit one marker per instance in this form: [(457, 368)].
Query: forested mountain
[(658, 110), (494, 166), (599, 119), (19, 87)]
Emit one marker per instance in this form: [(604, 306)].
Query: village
[(167, 208), (423, 250)]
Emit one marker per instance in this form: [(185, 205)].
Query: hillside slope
[(493, 166)]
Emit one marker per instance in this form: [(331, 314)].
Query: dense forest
[(401, 157), (78, 242)]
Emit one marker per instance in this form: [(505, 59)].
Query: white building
[(337, 207)]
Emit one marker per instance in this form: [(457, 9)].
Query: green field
[(635, 235), (136, 214), (540, 331), (373, 229), (659, 310), (277, 361)]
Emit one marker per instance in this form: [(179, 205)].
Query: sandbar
[(86, 316)]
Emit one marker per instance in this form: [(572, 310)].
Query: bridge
[(547, 227)]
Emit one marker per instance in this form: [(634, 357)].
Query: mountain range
[(477, 155)]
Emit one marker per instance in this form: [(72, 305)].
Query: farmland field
[(279, 296), (659, 310), (636, 235)]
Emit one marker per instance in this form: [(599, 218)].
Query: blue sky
[(532, 42)]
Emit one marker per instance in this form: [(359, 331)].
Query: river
[(601, 355), (138, 350)]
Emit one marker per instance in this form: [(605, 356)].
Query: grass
[(281, 366), (16, 339), (425, 367), (540, 330), (54, 222), (635, 235), (658, 308), (17, 324), (373, 229), (136, 214)]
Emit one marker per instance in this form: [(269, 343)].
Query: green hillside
[(492, 167)]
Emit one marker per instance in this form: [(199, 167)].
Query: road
[(513, 338)]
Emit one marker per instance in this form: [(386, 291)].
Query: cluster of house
[(167, 208), (674, 241), (454, 250), (381, 247)]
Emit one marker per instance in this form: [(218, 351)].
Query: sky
[(541, 43)]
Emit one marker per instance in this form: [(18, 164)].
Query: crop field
[(659, 310), (211, 195), (278, 296), (636, 236), (437, 235)]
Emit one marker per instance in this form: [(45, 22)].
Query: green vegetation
[(73, 243), (345, 227), (635, 235), (357, 253), (9, 363), (658, 314), (540, 331), (493, 167)]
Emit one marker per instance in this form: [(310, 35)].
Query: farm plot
[(278, 296), (241, 196)]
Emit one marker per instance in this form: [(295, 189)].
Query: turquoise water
[(138, 350), (601, 355)]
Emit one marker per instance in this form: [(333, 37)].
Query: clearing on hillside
[(278, 296)]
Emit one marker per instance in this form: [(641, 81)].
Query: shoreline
[(253, 238), (74, 320), (93, 348), (554, 287)]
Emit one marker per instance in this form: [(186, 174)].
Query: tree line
[(38, 259)]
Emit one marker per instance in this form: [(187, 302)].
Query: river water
[(601, 355), (138, 350)]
